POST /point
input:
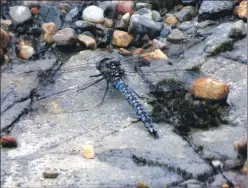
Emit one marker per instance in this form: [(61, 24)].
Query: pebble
[(93, 14), (171, 20), (66, 36), (138, 51), (108, 22), (241, 146), (143, 5), (51, 14), (88, 41), (141, 185), (109, 9), (125, 6), (187, 13), (175, 36), (50, 174), (6, 23), (1, 56), (157, 44), (72, 15), (238, 30), (19, 14), (49, 29), (88, 152), (145, 12), (121, 25), (165, 32), (124, 52), (208, 88), (156, 16), (140, 25), (35, 10), (5, 39), (241, 11), (8, 142), (126, 17), (156, 55), (245, 167), (122, 38), (225, 186), (26, 51)]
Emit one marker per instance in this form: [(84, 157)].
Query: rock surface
[(93, 14), (187, 13)]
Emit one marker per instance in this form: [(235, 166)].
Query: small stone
[(93, 14), (143, 5), (49, 29), (109, 9), (238, 29), (225, 186), (1, 56), (141, 185), (175, 36), (88, 41), (88, 152), (50, 174), (122, 38), (241, 146), (187, 13), (19, 14), (5, 39), (165, 32), (245, 167), (125, 6), (241, 11), (66, 36), (51, 14), (26, 51), (6, 23), (171, 20), (35, 10), (145, 12), (156, 16), (207, 88), (124, 52), (108, 22), (126, 17), (206, 23), (8, 142), (70, 16), (138, 51), (156, 55)]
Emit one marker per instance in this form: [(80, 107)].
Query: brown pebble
[(88, 152), (50, 174), (8, 142), (35, 10), (121, 38), (124, 52), (208, 88), (1, 56), (241, 146), (241, 10), (5, 39), (138, 51), (245, 167), (225, 186), (141, 185)]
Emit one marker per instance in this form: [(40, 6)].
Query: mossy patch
[(226, 46)]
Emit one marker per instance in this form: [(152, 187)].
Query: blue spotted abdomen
[(137, 106)]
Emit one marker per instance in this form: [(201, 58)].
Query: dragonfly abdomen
[(137, 106)]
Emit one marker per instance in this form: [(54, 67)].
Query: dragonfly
[(116, 70)]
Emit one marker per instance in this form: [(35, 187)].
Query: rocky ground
[(47, 47)]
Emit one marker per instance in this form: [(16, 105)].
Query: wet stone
[(206, 23), (93, 14), (143, 5), (109, 9), (187, 25), (19, 14), (171, 20), (238, 30), (66, 36), (187, 13), (51, 14), (145, 12), (241, 10), (49, 29), (175, 36), (165, 32), (156, 16), (50, 174), (88, 41), (5, 39), (125, 6), (70, 16)]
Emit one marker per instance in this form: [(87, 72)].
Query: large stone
[(187, 13), (109, 9), (125, 6), (140, 25), (140, 5), (49, 29), (93, 14), (66, 36), (207, 88), (241, 11), (5, 39), (122, 38), (19, 14), (145, 12), (156, 16), (212, 10), (70, 16), (51, 14)]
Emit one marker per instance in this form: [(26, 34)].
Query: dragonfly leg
[(97, 75), (104, 95)]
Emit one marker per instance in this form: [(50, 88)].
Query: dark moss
[(226, 46)]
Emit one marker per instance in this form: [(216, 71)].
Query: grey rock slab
[(19, 14), (212, 10), (206, 23), (187, 25), (156, 16), (238, 30), (175, 36), (145, 12)]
